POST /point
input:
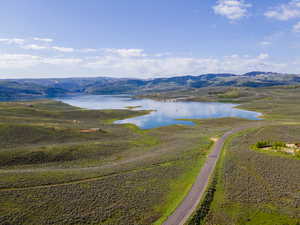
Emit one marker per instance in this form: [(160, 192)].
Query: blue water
[(166, 113)]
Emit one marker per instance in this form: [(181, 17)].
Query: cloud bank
[(284, 12), (232, 9), (134, 63)]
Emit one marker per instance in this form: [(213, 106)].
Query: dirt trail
[(92, 168), (77, 181), (187, 206)]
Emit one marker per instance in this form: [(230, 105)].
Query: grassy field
[(253, 186), (257, 188), (51, 172)]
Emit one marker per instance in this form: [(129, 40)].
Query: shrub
[(278, 145), (263, 144)]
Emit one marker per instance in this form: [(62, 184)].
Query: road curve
[(191, 201)]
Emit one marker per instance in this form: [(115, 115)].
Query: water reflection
[(166, 113)]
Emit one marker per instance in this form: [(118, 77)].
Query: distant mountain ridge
[(16, 88)]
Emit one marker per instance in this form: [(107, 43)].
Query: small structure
[(91, 130), (290, 148), (291, 145)]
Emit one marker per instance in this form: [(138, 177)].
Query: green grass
[(275, 149), (181, 186), (119, 175), (232, 204), (280, 108), (278, 154), (232, 93), (124, 175)]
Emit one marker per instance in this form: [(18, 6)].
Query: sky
[(147, 38)]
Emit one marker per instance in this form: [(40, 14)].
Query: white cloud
[(18, 61), (126, 52), (47, 47), (87, 50), (265, 43), (287, 11), (63, 49), (18, 41), (263, 56), (111, 65), (34, 47), (231, 9), (148, 66), (21, 43), (56, 48), (23, 61), (62, 61), (162, 54), (43, 39), (296, 27)]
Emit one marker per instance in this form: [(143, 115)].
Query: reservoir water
[(164, 114)]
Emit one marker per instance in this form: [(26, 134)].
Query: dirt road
[(191, 201)]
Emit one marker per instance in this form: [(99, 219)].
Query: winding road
[(191, 201)]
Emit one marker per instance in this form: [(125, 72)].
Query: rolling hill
[(18, 88)]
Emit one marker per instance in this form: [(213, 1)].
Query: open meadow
[(253, 186), (150, 112), (65, 165)]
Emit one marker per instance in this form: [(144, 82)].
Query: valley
[(139, 112), (52, 171)]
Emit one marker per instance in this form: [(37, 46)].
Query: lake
[(164, 114)]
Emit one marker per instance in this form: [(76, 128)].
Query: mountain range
[(18, 88)]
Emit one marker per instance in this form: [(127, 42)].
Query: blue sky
[(147, 38)]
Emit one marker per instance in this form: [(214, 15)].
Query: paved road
[(191, 201)]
